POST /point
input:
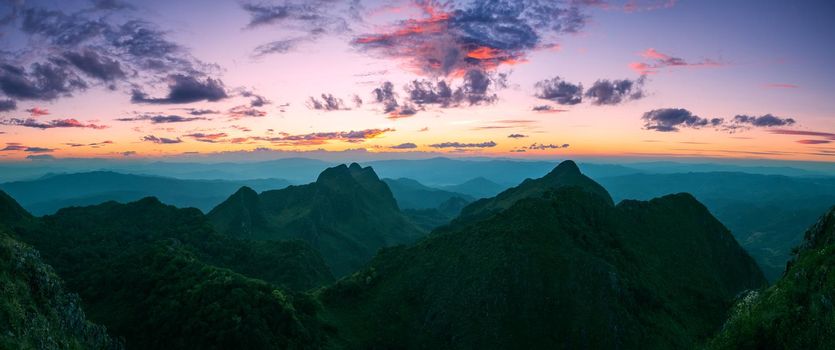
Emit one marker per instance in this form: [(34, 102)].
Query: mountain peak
[(566, 168)]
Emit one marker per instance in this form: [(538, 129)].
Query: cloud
[(161, 140), (94, 65), (671, 119), (826, 135), (198, 111), (17, 147), (659, 61), (452, 38), (7, 105), (40, 157), (542, 146), (353, 136), (55, 123), (37, 112), (93, 145), (813, 142), (43, 81), (185, 89), (160, 119), (209, 138), (128, 153), (767, 120), (243, 111), (257, 100), (111, 5), (559, 91), (487, 144), (313, 17), (327, 103), (516, 136), (547, 109), (407, 145), (606, 92)]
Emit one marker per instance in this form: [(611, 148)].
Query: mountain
[(411, 194), (766, 213), (346, 215), (565, 174), (796, 312), (11, 213), (557, 265), (161, 278), (55, 191), (478, 187), (35, 310)]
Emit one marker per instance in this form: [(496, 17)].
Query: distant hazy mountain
[(163, 279), (411, 194), (347, 215), (552, 264), (766, 213), (797, 312), (478, 187), (52, 192)]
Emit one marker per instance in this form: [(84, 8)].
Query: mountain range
[(346, 215), (550, 263)]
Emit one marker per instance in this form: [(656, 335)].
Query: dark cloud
[(312, 17), (278, 46), (547, 109), (63, 30), (767, 120), (455, 37), (318, 138), (55, 123), (826, 135), (7, 105), (814, 142), (516, 136), (256, 100), (407, 145), (542, 146), (161, 140), (209, 138), (128, 153), (198, 111), (40, 157), (671, 119), (160, 119), (612, 92), (559, 91), (386, 96), (11, 146), (94, 65), (327, 103), (110, 5), (487, 144), (185, 89), (43, 81)]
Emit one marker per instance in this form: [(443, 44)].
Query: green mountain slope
[(560, 268), (163, 279), (797, 312), (346, 215), (35, 310), (478, 187), (565, 174), (766, 213)]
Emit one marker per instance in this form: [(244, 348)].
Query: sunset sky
[(133, 79)]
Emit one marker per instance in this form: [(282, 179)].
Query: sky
[(532, 78)]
